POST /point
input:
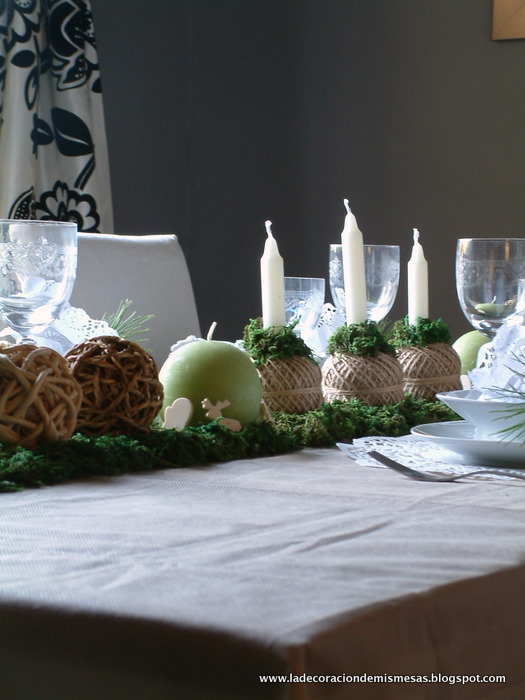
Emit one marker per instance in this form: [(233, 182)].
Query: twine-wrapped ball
[(291, 385), (429, 370), (39, 398), (121, 390), (376, 381)]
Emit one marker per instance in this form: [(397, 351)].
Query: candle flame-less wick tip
[(416, 235), (211, 331), (347, 205), (268, 225)]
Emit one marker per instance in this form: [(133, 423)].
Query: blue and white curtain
[(53, 151)]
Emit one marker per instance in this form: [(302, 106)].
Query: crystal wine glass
[(303, 301), (38, 262), (489, 280), (382, 279)]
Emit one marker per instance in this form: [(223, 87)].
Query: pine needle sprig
[(130, 327), (513, 432)]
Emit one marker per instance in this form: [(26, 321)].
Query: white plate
[(460, 437), (489, 415)]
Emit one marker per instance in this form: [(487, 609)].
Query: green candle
[(214, 370), (467, 347), (492, 309)]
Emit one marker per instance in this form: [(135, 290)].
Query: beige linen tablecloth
[(194, 583)]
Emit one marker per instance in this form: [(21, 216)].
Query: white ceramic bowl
[(489, 416)]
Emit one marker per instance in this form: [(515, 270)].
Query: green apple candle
[(213, 370), (492, 309), (467, 347)]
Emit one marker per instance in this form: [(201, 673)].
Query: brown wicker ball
[(120, 383), (291, 385), (39, 398), (429, 370), (376, 381)]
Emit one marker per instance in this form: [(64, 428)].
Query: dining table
[(300, 576)]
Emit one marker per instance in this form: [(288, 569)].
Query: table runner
[(194, 582)]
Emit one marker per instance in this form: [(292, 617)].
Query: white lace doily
[(71, 327), (414, 452), (329, 320), (501, 362)]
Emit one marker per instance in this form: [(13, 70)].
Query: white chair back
[(150, 270)]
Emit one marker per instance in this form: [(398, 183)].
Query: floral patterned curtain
[(53, 152)]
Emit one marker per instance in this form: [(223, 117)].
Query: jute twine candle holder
[(290, 377), (375, 380), (291, 385), (429, 363), (39, 397), (122, 393), (429, 370)]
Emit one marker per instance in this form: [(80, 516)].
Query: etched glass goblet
[(38, 262), (303, 301), (489, 280), (382, 279)]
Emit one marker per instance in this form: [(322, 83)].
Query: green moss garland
[(363, 339), (341, 421), (82, 456), (424, 332), (265, 344)]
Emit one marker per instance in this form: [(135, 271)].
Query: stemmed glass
[(303, 300), (382, 279), (38, 262), (489, 280)]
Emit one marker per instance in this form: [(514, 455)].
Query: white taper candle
[(353, 269), (417, 271), (272, 282)]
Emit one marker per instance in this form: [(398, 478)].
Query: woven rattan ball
[(121, 390), (376, 381), (39, 398), (429, 370), (291, 385)]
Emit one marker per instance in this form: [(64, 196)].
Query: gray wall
[(224, 113)]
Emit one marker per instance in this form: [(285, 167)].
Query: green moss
[(424, 332), (343, 421), (265, 344), (359, 339), (82, 456)]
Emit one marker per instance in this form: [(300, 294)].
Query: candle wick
[(268, 225), (347, 206), (212, 330), (416, 235)]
